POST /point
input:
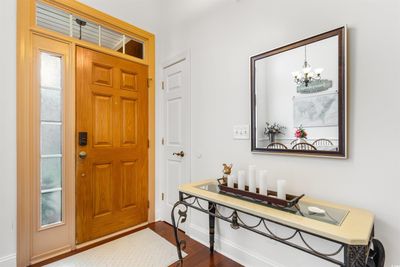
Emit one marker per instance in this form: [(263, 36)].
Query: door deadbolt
[(82, 154), (180, 154)]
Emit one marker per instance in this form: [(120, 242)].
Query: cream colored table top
[(355, 229)]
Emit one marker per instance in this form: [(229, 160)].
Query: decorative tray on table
[(270, 199)]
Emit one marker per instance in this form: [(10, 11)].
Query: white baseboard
[(8, 261), (230, 249)]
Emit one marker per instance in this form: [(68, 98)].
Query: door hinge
[(148, 143), (162, 196), (162, 141), (148, 82), (148, 204), (162, 85)]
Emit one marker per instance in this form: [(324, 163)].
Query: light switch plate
[(241, 132)]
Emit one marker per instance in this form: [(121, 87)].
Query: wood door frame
[(183, 56), (26, 26)]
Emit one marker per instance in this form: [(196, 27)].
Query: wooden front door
[(112, 175)]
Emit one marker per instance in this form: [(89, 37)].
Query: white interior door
[(176, 134)]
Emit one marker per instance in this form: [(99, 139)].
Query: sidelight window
[(51, 151)]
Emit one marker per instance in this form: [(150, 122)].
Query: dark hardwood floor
[(198, 254)]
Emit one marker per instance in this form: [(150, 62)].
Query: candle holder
[(270, 199)]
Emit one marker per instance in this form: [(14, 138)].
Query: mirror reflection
[(297, 96)]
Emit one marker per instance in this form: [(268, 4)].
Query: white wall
[(8, 133), (221, 36), (221, 42)]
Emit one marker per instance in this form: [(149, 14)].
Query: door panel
[(174, 177), (103, 121), (174, 121), (177, 132), (102, 74), (128, 121), (128, 80), (112, 178), (129, 184), (102, 176)]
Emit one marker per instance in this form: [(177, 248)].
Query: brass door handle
[(180, 154), (82, 154)]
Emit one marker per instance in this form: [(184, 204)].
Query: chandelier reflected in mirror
[(307, 75)]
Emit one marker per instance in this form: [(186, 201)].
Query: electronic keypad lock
[(83, 138)]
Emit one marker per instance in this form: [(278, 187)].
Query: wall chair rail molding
[(301, 112)]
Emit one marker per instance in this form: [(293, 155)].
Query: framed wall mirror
[(298, 97)]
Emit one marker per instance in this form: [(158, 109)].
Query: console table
[(351, 234)]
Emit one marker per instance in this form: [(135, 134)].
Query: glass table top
[(330, 215)]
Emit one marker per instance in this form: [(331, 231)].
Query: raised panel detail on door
[(112, 175), (174, 109), (128, 121), (102, 120), (102, 74), (129, 183), (174, 177), (102, 184), (174, 81), (128, 80), (176, 102)]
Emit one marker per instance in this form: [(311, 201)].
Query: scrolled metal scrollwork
[(261, 227), (235, 223), (182, 212)]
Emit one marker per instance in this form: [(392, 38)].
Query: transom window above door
[(57, 20)]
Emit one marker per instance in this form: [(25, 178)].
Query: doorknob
[(180, 154), (82, 154)]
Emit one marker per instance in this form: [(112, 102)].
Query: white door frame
[(184, 56)]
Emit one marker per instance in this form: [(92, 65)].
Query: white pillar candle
[(252, 178), (231, 180), (241, 179), (281, 185), (262, 182)]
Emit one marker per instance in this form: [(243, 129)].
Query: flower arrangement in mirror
[(272, 130), (300, 133)]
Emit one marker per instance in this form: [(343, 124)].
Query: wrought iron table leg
[(211, 225), (182, 212), (355, 256)]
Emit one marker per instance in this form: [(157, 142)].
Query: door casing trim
[(182, 56), (25, 28)]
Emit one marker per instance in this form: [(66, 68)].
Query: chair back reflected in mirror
[(276, 145), (304, 146), (295, 141), (322, 142)]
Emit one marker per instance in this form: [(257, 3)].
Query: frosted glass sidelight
[(50, 138), (51, 125), (51, 105), (51, 207), (50, 70), (51, 173)]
